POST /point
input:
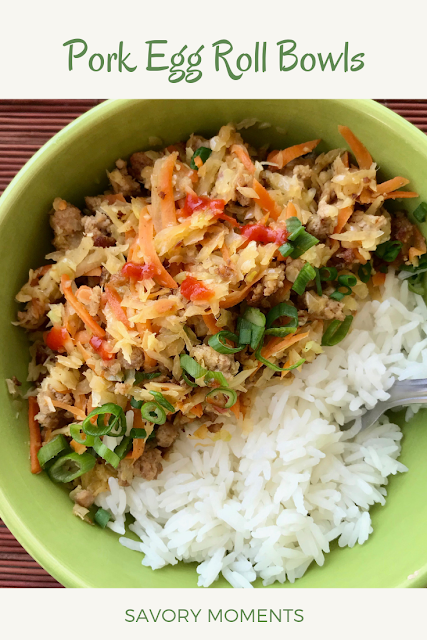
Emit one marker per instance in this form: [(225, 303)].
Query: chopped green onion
[(294, 228), (191, 366), (217, 376), (71, 466), (153, 412), (124, 447), (117, 419), (286, 249), (77, 435), (255, 316), (306, 274), (244, 327), (217, 342), (142, 375), (256, 336), (277, 312), (303, 243), (420, 212), (102, 517), (344, 282), (416, 284), (104, 452), (51, 449), (389, 250), (318, 282), (273, 366), (188, 381), (203, 153), (422, 265), (138, 433), (364, 272), (255, 321), (161, 400), (336, 332), (328, 273), (136, 404), (230, 393), (152, 435)]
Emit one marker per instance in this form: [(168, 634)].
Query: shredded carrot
[(163, 202), (237, 296), (236, 408), (401, 194), (79, 308), (359, 256), (378, 279), (138, 444), (283, 157), (210, 322), (345, 159), (265, 201), (115, 301), (243, 156), (197, 410), (344, 216), (198, 162), (391, 185), (78, 448), (79, 413), (362, 155), (291, 211), (148, 251), (35, 434), (277, 344), (115, 197)]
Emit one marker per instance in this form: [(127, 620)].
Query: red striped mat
[(25, 125)]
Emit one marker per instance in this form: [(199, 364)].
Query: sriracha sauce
[(263, 234), (138, 271), (56, 338), (193, 289), (99, 345), (195, 203)]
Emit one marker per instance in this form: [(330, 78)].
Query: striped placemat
[(25, 125)]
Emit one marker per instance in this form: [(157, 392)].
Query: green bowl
[(73, 165)]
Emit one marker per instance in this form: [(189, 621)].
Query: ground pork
[(149, 465), (137, 162), (214, 361), (401, 228), (267, 286), (34, 315), (136, 359), (166, 434), (97, 225), (323, 307), (66, 222), (320, 228), (293, 267), (84, 498)]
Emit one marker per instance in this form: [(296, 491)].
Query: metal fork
[(401, 394)]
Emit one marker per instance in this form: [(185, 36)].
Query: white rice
[(268, 504)]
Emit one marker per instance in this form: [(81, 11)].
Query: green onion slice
[(203, 153), (226, 391), (116, 421), (104, 452), (124, 447), (140, 376), (328, 273), (286, 249), (138, 434), (277, 312), (364, 272), (294, 228), (420, 212), (216, 342), (306, 274), (153, 412), (303, 243), (77, 435), (389, 250), (190, 383), (336, 332), (275, 367), (102, 517), (71, 466), (344, 282), (161, 400), (51, 449), (318, 282), (244, 328), (415, 284), (191, 366), (217, 376), (136, 404)]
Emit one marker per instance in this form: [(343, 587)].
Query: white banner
[(300, 614), (224, 49)]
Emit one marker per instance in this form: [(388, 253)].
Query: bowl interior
[(73, 165)]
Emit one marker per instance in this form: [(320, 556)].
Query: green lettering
[(142, 616), (296, 610), (221, 55), (288, 52), (247, 618), (330, 60), (122, 61), (304, 58), (196, 614), (360, 63), (155, 55), (111, 56), (218, 615), (71, 55), (227, 613), (92, 61), (129, 612), (278, 617), (262, 614)]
